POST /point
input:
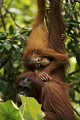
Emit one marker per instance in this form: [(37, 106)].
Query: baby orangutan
[(52, 96)]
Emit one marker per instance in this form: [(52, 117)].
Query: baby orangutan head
[(36, 61)]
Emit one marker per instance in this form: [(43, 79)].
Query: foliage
[(29, 110), (15, 26), (72, 20)]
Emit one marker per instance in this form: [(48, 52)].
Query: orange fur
[(38, 39), (52, 96), (40, 42), (56, 27)]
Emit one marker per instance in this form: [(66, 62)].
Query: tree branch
[(74, 72), (1, 3), (76, 112), (4, 62), (2, 19), (13, 19)]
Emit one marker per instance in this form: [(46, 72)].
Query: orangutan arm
[(46, 74)]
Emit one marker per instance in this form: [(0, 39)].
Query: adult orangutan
[(45, 51), (52, 95)]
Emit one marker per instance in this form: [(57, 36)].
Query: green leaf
[(31, 108), (26, 2), (9, 111), (15, 46), (11, 29), (7, 45), (16, 64)]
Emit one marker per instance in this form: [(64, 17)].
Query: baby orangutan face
[(35, 61)]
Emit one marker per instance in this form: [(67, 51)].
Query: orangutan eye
[(38, 60), (38, 65), (35, 53)]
